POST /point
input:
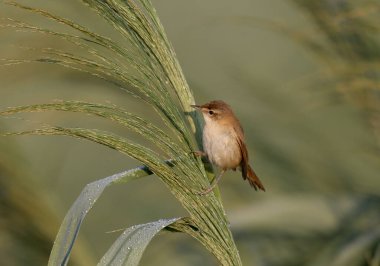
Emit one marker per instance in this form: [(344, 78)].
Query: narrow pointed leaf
[(129, 247), (71, 224)]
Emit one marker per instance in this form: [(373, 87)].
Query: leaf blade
[(71, 224), (129, 247)]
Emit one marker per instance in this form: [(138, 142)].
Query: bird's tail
[(253, 179)]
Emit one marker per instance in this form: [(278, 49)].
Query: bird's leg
[(213, 184)]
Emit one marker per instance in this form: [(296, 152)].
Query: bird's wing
[(246, 170), (243, 149)]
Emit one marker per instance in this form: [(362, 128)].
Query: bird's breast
[(221, 146)]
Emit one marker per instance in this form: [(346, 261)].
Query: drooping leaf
[(71, 224), (129, 247)]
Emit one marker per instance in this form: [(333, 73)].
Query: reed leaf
[(129, 247), (72, 222)]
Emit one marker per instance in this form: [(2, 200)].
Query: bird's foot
[(199, 153), (205, 192), (213, 184)]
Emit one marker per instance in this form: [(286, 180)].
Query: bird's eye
[(211, 112)]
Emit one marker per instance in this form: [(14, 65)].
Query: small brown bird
[(223, 142)]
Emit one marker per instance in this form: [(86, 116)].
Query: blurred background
[(302, 76)]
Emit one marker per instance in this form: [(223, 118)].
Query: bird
[(224, 143)]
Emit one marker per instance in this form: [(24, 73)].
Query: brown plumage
[(224, 144)]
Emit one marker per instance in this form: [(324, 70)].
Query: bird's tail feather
[(253, 179)]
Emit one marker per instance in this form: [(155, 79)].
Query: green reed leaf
[(72, 222), (129, 247)]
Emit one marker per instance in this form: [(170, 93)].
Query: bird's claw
[(199, 153)]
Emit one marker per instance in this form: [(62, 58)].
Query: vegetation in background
[(350, 49), (28, 223)]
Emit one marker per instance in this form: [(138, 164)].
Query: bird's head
[(214, 110)]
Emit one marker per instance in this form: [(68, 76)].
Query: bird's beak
[(196, 106)]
